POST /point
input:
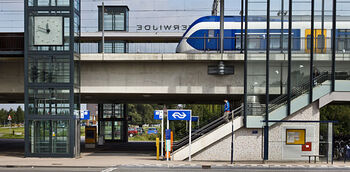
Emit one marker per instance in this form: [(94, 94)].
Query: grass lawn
[(144, 137), (7, 133)]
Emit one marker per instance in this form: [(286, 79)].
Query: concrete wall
[(158, 78), (248, 143), (11, 76)]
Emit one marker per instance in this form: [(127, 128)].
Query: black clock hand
[(42, 29), (47, 28)]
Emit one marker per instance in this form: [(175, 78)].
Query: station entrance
[(113, 122)]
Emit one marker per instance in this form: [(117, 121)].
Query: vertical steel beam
[(282, 25), (322, 27), (312, 48), (26, 98), (245, 60), (266, 129), (222, 25), (103, 28), (290, 25), (242, 6), (334, 29)]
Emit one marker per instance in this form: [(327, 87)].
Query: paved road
[(128, 169)]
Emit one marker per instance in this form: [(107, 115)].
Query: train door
[(319, 41), (212, 43)]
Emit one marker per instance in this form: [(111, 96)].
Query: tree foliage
[(143, 114), (16, 115), (340, 113)]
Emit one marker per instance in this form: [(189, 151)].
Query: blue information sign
[(158, 114), (85, 115), (179, 115), (195, 118), (167, 134)]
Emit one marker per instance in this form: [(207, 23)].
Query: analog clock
[(48, 30)]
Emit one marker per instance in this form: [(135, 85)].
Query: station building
[(276, 94)]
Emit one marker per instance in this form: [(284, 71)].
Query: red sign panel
[(9, 118), (306, 147)]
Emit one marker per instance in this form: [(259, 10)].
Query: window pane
[(119, 21), (60, 136), (49, 101), (254, 43), (275, 42), (39, 135)]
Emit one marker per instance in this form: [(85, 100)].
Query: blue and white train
[(203, 35)]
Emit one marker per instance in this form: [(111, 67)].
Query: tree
[(3, 116), (19, 115), (340, 113)]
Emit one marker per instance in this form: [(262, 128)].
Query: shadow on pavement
[(12, 147), (123, 149)]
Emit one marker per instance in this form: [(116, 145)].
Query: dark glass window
[(308, 42), (343, 41), (48, 2), (109, 108), (48, 70), (254, 42), (115, 18), (238, 42), (114, 47), (49, 136), (275, 42), (49, 101), (320, 42)]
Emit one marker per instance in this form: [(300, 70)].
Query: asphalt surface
[(15, 147), (127, 169)]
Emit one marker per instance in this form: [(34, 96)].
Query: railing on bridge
[(257, 44), (11, 44), (207, 128)]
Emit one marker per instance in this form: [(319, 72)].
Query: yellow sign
[(295, 136)]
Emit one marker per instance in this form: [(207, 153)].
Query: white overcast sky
[(161, 11)]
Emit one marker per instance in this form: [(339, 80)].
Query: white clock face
[(48, 30)]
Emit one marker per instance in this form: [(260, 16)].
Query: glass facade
[(115, 18), (113, 122), (49, 136), (52, 79), (54, 69), (49, 101)]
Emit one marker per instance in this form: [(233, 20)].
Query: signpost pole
[(162, 139), (167, 127), (189, 139)]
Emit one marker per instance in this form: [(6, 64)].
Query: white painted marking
[(109, 169)]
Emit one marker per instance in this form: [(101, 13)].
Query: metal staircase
[(207, 128), (208, 134), (278, 107)]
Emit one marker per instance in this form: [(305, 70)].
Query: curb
[(192, 166)]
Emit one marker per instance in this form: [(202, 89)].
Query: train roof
[(296, 18)]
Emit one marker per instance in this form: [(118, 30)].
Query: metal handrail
[(296, 92), (207, 128)]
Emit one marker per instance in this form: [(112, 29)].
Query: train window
[(275, 42), (343, 41), (238, 42), (320, 41), (308, 42), (285, 42), (254, 42), (341, 44), (211, 33)]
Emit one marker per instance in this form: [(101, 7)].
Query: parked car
[(132, 132), (152, 130), (140, 130)]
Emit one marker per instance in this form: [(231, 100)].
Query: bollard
[(171, 141), (157, 146)]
